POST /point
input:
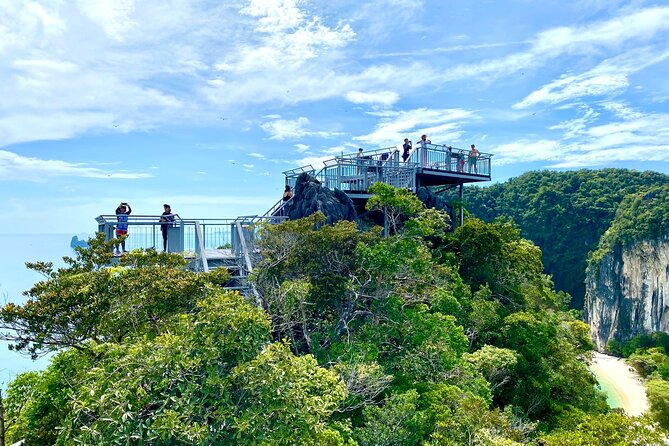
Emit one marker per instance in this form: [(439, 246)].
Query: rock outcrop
[(433, 200), (627, 292), (76, 242), (311, 196)]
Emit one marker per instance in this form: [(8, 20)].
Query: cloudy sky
[(204, 103)]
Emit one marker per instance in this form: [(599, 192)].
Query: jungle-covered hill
[(564, 213), (428, 337)]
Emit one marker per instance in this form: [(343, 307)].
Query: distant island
[(76, 242)]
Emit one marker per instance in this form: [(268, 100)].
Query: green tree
[(396, 204), (613, 429), (88, 301), (657, 391), (565, 213)]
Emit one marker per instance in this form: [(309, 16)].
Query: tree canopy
[(426, 337), (563, 213)]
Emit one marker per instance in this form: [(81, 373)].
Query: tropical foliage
[(426, 337), (564, 213)]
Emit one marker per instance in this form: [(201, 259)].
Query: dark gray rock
[(432, 200), (311, 196)]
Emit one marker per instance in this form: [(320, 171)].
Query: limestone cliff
[(627, 292)]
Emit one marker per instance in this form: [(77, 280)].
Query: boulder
[(433, 200), (311, 196)]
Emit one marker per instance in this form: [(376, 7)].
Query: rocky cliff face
[(311, 196), (628, 294)]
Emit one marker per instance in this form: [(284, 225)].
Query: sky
[(203, 104)]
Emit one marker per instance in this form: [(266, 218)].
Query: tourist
[(423, 142), (473, 158), (407, 150), (461, 161), (287, 193), (122, 212), (166, 221)]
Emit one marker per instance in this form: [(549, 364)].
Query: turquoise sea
[(613, 399), (15, 278)]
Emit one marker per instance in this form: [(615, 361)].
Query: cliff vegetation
[(564, 213), (641, 216), (425, 338)]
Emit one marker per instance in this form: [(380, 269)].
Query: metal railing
[(354, 172), (291, 175), (196, 238), (279, 212), (244, 248), (355, 175), (450, 159), (201, 263)]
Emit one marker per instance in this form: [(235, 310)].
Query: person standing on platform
[(287, 193), (473, 158), (407, 150), (423, 142), (122, 212), (166, 221), (461, 161)]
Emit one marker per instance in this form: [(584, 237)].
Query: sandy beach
[(624, 381)]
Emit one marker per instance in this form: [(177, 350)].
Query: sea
[(15, 278)]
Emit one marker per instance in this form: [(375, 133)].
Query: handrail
[(380, 151), (247, 259), (299, 170), (199, 248), (278, 207)]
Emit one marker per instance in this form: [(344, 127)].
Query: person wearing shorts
[(122, 212), (473, 158)]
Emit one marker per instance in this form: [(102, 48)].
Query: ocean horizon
[(15, 278)]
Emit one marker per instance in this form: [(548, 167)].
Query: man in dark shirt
[(166, 221), (407, 148)]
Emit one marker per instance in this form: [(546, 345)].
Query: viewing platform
[(434, 165), (206, 243), (230, 243)]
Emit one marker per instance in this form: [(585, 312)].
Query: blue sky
[(203, 104)]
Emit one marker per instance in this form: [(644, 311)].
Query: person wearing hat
[(166, 221), (122, 212)]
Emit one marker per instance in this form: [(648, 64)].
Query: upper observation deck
[(433, 165)]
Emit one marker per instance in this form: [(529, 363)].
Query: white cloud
[(301, 148), (283, 38), (574, 127), (627, 30), (113, 16), (443, 126), (525, 151), (609, 77), (634, 138), (384, 98), (260, 156), (18, 167), (315, 161), (293, 129), (286, 128)]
